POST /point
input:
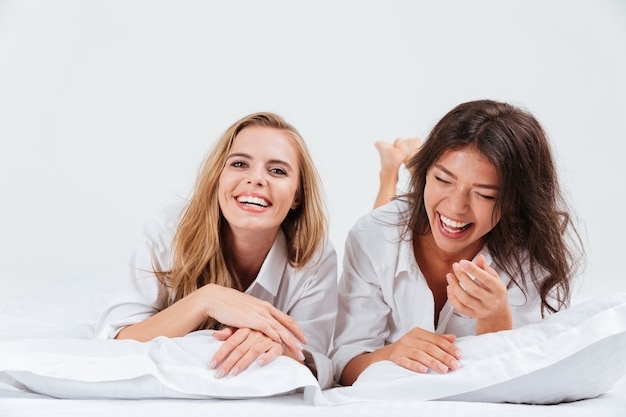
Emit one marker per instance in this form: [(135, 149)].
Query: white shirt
[(308, 295), (383, 294)]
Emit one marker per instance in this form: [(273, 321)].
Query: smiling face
[(460, 199), (260, 180)]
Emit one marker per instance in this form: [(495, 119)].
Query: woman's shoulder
[(172, 213), (382, 231), (164, 222), (325, 255), (384, 220)]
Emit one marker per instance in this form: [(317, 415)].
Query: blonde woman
[(247, 255)]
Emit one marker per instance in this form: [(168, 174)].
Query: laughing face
[(460, 199), (259, 183)]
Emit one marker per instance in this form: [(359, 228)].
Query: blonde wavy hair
[(198, 256)]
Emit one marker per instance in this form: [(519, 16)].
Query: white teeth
[(247, 199), (452, 226)]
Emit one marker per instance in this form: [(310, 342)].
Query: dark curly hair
[(535, 225)]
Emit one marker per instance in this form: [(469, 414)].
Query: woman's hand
[(418, 351), (236, 309), (241, 347), (476, 290)]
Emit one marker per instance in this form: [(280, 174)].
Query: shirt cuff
[(321, 367)]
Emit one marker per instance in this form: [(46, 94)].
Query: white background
[(107, 108)]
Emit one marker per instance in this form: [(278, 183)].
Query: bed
[(49, 366)]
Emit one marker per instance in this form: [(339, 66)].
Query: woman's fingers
[(438, 352), (290, 324), (234, 308), (241, 349), (476, 290), (457, 296), (227, 347), (287, 336), (276, 331), (224, 333), (434, 359), (420, 350)]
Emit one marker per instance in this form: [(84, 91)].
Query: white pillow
[(162, 368), (575, 354)]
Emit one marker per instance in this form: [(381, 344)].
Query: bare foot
[(391, 157), (408, 146)]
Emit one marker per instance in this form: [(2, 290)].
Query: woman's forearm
[(353, 369), (179, 319)]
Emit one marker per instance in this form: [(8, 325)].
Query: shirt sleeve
[(315, 311), (140, 294), (526, 304), (362, 317)]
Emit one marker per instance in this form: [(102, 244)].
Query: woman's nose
[(257, 177), (458, 200)]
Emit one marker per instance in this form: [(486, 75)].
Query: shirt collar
[(407, 263), (487, 254), (273, 267), (406, 258)]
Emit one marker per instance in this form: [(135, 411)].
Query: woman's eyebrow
[(476, 184), (239, 155), (488, 186)]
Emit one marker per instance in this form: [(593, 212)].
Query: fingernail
[(212, 364), (449, 278), (422, 369), (300, 355), (456, 266), (443, 367), (234, 371), (464, 263), (260, 362), (455, 364), (458, 354), (220, 374)]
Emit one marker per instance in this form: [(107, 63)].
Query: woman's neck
[(246, 253), (434, 265), (429, 253)]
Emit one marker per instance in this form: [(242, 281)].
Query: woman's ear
[(296, 201)]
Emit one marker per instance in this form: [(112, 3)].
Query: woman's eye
[(238, 164), (486, 197), (278, 171), (441, 180)]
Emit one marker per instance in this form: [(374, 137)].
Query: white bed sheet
[(60, 306), (612, 404)]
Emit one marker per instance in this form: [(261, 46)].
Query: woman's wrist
[(500, 321), (201, 295)]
